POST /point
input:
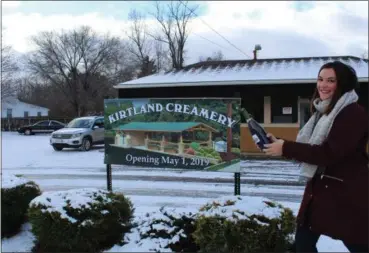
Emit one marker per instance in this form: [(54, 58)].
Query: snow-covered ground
[(33, 157), (35, 152), (149, 189)]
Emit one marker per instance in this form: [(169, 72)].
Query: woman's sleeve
[(349, 127)]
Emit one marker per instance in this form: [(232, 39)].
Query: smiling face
[(327, 83)]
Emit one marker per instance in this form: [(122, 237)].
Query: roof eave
[(219, 83), (148, 130)]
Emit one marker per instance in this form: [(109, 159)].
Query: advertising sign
[(178, 133)]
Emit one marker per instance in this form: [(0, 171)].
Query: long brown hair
[(346, 79)]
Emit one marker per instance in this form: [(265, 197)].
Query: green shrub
[(167, 229), (208, 152), (236, 150), (79, 220), (235, 224), (244, 224), (16, 194)]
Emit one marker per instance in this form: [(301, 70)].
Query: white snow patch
[(86, 223), (36, 151), (22, 242), (76, 198), (327, 244), (241, 207), (158, 221), (130, 185), (9, 181)]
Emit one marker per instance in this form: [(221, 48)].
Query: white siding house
[(13, 108)]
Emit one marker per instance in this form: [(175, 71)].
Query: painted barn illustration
[(175, 138)]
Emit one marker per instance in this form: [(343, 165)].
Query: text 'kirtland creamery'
[(172, 107)]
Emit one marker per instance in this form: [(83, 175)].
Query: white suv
[(79, 133)]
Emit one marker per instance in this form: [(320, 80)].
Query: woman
[(332, 149)]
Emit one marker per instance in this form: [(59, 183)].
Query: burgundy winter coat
[(338, 209)]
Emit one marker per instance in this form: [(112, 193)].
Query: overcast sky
[(283, 29)]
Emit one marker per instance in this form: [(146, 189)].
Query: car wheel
[(57, 148), (28, 132), (86, 144)]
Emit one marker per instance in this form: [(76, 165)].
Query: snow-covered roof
[(15, 101), (243, 72)]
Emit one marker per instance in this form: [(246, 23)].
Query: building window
[(254, 104), (9, 113), (38, 114), (284, 109), (26, 114)]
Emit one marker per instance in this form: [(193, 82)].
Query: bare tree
[(140, 45), (173, 21), (216, 56), (44, 93), (162, 57), (40, 92), (9, 69), (71, 61), (148, 54)]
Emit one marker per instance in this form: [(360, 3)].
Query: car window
[(80, 123), (42, 123), (99, 123), (55, 123)]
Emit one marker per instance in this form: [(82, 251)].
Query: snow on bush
[(244, 224), (16, 194), (79, 220), (234, 208), (166, 231), (228, 224), (9, 181)]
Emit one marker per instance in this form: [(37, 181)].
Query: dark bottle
[(258, 133)]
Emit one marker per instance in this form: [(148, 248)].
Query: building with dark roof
[(276, 92)]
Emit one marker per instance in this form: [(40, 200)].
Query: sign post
[(237, 183), (180, 133), (109, 177)]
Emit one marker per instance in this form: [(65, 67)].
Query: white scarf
[(323, 126)]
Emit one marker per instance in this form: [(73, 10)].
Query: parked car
[(45, 126), (80, 133)]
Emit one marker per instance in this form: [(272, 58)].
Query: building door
[(304, 113)]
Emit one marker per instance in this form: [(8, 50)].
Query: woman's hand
[(275, 148)]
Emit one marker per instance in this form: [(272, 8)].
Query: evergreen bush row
[(93, 220)]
